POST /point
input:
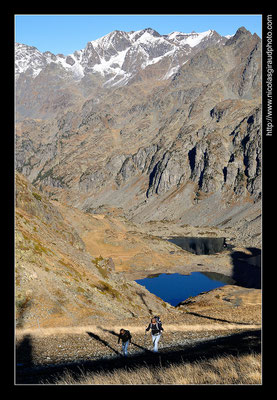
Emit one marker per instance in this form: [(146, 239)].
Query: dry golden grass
[(223, 370), (196, 327)]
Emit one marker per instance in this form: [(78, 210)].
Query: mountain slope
[(58, 282)]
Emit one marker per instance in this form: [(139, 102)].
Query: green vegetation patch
[(37, 196), (106, 288), (100, 267)]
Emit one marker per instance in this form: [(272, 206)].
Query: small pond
[(174, 288), (200, 245)]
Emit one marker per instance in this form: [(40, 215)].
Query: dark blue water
[(174, 288)]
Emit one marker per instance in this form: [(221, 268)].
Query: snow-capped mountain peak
[(119, 55)]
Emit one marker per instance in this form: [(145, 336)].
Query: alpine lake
[(175, 288)]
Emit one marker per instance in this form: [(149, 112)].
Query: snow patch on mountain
[(192, 39), (113, 65)]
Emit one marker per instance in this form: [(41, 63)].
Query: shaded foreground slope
[(235, 344)]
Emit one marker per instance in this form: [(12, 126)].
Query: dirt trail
[(43, 332)]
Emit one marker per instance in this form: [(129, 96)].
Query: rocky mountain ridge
[(119, 55), (54, 83)]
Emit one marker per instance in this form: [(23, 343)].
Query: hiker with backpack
[(125, 336), (156, 331)]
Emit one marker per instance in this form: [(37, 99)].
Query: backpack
[(126, 336), (157, 325), (158, 319)]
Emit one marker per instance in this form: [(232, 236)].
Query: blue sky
[(67, 33)]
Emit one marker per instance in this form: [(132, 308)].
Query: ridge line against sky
[(66, 33)]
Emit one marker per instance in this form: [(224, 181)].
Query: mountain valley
[(136, 138)]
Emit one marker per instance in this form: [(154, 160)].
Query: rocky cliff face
[(160, 148)]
